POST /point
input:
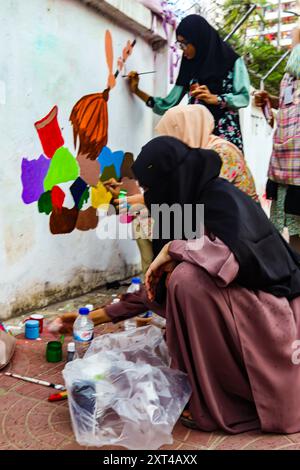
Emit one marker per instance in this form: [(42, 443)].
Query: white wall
[(52, 52)]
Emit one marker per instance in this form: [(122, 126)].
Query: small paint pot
[(54, 351), (32, 329), (39, 318)]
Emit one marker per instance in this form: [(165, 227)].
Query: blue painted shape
[(108, 158), (77, 189)]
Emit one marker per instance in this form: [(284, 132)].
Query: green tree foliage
[(234, 10), (260, 55)]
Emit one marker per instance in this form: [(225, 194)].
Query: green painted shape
[(63, 168), (84, 198), (45, 203), (109, 172)]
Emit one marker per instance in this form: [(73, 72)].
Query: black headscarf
[(214, 57), (175, 173), (213, 61)]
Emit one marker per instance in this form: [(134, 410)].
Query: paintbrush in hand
[(142, 73)]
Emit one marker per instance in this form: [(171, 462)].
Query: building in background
[(210, 9), (279, 17), (279, 21)]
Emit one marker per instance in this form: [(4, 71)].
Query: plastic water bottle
[(134, 287), (83, 332)]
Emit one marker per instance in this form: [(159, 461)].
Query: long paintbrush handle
[(132, 46), (142, 73), (35, 381), (107, 90), (28, 379)]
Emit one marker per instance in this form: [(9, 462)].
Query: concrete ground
[(29, 421)]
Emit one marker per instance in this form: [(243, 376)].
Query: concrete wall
[(52, 53)]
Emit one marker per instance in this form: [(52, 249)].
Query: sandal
[(187, 420)]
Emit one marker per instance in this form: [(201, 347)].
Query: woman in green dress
[(211, 73)]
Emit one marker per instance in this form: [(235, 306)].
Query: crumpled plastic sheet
[(124, 393)]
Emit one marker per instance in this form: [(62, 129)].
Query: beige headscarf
[(193, 124)]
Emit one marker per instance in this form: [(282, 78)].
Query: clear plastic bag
[(123, 392), (144, 344)]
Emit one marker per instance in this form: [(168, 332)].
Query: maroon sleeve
[(212, 255), (132, 305)]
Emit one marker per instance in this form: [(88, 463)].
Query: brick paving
[(29, 421)]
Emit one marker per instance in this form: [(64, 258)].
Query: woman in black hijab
[(211, 73), (232, 305), (173, 173)]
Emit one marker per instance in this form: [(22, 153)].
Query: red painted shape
[(49, 133), (57, 197)]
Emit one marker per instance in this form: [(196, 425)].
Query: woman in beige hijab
[(193, 125)]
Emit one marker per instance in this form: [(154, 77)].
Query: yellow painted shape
[(100, 195)]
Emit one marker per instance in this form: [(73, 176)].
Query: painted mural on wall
[(68, 189)]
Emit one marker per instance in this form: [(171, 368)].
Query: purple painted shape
[(33, 175)]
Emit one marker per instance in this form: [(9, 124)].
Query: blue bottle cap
[(148, 314), (84, 311), (32, 324), (136, 280)]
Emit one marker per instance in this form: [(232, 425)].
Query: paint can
[(54, 351), (32, 329), (39, 318)]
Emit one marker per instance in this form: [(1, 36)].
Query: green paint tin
[(54, 351)]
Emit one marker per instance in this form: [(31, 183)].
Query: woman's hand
[(261, 98), (113, 186), (203, 93), (136, 199), (134, 80), (63, 324), (162, 263)]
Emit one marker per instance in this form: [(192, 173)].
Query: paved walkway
[(29, 421)]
